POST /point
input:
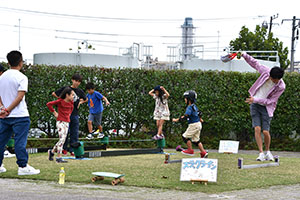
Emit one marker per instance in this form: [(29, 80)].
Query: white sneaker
[(28, 170), (89, 136), (100, 135), (2, 169), (8, 155), (269, 156), (261, 157)]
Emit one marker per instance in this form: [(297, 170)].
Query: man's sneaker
[(60, 160), (28, 170), (8, 155), (189, 152), (2, 169), (50, 155), (269, 156), (65, 152), (204, 154), (89, 136), (261, 157), (72, 154), (100, 135)]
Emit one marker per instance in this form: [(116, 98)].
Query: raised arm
[(165, 91), (254, 63), (151, 93)]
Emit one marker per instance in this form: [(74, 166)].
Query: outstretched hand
[(175, 120), (80, 102)]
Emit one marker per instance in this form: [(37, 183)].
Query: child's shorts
[(96, 118), (193, 132), (260, 116)]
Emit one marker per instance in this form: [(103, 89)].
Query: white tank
[(85, 59)]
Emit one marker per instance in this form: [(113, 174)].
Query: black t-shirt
[(79, 94)]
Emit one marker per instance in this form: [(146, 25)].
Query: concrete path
[(14, 189)]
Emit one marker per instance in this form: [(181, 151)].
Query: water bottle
[(62, 176)]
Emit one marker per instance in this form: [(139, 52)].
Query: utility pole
[(294, 28), (271, 22), (19, 34)]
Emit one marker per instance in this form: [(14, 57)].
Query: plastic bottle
[(62, 176)]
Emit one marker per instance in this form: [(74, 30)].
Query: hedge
[(221, 98)]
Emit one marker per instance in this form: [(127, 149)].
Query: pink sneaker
[(189, 152), (204, 154), (179, 148)]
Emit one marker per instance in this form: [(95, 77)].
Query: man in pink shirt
[(264, 95)]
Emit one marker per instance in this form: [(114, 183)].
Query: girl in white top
[(161, 112)]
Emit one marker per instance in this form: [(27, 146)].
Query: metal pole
[(271, 23), (19, 34), (293, 45)]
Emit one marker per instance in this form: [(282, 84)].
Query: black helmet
[(157, 88), (190, 95)]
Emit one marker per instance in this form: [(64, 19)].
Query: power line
[(130, 35), (108, 34), (85, 17), (80, 39)]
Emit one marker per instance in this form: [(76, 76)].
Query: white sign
[(228, 146), (199, 169)]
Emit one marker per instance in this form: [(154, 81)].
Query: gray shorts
[(260, 116), (96, 118)]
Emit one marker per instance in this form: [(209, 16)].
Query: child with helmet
[(161, 111), (192, 134)]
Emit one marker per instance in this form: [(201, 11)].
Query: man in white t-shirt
[(14, 116), (7, 154)]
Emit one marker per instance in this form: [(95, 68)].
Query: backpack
[(198, 111)]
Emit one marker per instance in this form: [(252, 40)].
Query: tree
[(259, 40)]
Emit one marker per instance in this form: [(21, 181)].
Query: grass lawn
[(147, 171)]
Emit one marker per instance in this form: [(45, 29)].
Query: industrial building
[(186, 55)]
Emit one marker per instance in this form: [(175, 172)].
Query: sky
[(134, 21)]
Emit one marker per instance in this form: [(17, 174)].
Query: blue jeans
[(20, 127), (72, 133)]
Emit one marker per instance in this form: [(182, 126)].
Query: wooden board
[(117, 178), (108, 174)]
